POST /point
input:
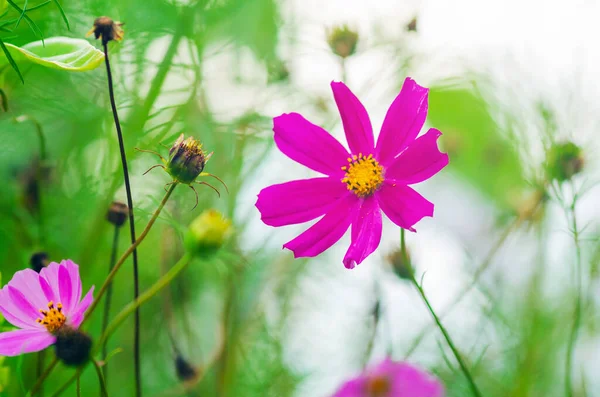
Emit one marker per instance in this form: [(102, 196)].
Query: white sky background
[(534, 48)]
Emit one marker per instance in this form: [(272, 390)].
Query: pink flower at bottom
[(40, 305), (359, 184), (392, 379)]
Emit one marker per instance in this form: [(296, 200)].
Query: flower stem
[(126, 254), (42, 378), (78, 386), (101, 379), (441, 327), (136, 284), (107, 302), (577, 317)]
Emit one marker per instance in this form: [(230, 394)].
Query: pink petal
[(309, 145), (12, 314), (353, 388), (27, 282), (403, 205), (75, 281), (21, 341), (48, 291), (327, 230), (25, 308), (299, 201), (355, 119), (65, 288), (408, 380), (50, 274), (403, 121), (420, 161), (366, 233), (78, 315)]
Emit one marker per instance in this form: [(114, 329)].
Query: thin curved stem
[(136, 284), (442, 329), (78, 387), (578, 301), (126, 254), (101, 379), (43, 377), (108, 301)]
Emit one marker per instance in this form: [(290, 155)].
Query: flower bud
[(207, 233), (185, 371), (107, 30), (342, 41), (72, 346), (563, 161), (38, 261), (186, 160), (117, 213), (401, 264), (412, 25)]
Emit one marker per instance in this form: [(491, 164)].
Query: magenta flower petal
[(50, 273), (420, 161), (309, 145), (403, 205), (75, 281), (14, 343), (403, 121), (25, 308), (366, 233), (357, 125), (48, 291), (392, 379), (78, 314), (327, 231), (27, 281), (12, 314), (64, 285), (299, 201)]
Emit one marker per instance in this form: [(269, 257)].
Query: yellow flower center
[(364, 175), (378, 386), (53, 317)]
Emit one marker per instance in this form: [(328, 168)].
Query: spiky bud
[(38, 261), (186, 160), (72, 346), (117, 213), (342, 41), (207, 233), (564, 160), (107, 30)]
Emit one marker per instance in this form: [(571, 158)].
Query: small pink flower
[(392, 379), (40, 305), (360, 184)]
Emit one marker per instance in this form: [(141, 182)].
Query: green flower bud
[(563, 161), (186, 160), (207, 233), (401, 265), (342, 41)]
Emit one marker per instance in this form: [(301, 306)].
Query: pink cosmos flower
[(360, 184), (392, 379), (40, 305)]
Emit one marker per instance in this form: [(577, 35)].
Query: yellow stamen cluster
[(364, 175), (378, 386), (53, 317)]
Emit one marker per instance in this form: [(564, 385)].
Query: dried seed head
[(38, 261), (186, 160), (107, 30), (564, 160), (117, 213), (207, 233), (72, 346), (342, 41)]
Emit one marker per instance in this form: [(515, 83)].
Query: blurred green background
[(252, 321)]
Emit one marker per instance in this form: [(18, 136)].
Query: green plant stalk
[(441, 327), (42, 378), (578, 306), (101, 380), (127, 310), (108, 301), (126, 254), (136, 282)]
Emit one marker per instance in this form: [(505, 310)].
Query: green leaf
[(62, 13), (62, 53), (478, 148), (10, 60)]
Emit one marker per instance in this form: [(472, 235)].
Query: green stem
[(577, 317), (143, 298), (108, 301), (125, 255), (78, 386), (101, 381), (42, 378), (442, 329)]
